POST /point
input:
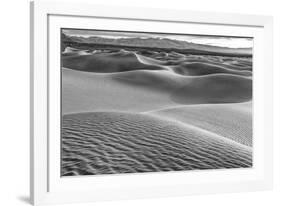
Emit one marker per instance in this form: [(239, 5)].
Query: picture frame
[(46, 184)]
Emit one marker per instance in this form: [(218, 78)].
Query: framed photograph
[(126, 105)]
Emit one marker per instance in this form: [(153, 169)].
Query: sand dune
[(97, 91), (110, 62), (225, 62), (194, 69), (68, 51), (147, 90), (107, 62), (114, 142), (233, 121), (215, 88), (150, 111), (150, 61)]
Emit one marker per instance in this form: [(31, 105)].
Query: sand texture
[(127, 111), (130, 142)]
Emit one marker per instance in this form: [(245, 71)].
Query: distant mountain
[(164, 43)]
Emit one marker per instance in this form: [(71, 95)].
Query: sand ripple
[(146, 110), (116, 142)]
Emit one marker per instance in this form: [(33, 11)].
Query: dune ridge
[(213, 88), (107, 62), (189, 67), (151, 111), (110, 62), (147, 89), (196, 69)]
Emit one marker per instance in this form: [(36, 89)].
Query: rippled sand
[(114, 142), (146, 111), (232, 121)]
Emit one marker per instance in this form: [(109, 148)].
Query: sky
[(223, 41)]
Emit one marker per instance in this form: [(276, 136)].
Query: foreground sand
[(126, 112), (115, 142)]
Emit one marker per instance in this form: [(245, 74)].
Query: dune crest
[(112, 62), (107, 62), (69, 51), (215, 88), (131, 109)]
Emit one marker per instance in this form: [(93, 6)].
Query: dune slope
[(115, 142), (196, 68), (86, 91), (106, 62), (140, 91), (215, 88), (154, 110), (233, 121)]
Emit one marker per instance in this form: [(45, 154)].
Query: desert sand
[(136, 111)]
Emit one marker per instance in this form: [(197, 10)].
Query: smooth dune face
[(114, 142), (150, 111), (100, 92), (147, 90), (215, 89)]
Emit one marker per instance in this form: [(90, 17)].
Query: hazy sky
[(232, 42)]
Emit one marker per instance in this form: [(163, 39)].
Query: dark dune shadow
[(197, 69), (215, 88), (106, 62), (219, 63), (148, 80), (218, 88)]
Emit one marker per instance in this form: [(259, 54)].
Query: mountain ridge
[(160, 43)]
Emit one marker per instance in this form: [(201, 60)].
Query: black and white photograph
[(135, 102)]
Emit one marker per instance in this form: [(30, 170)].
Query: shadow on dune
[(239, 64), (172, 132), (152, 80), (197, 69), (120, 61), (106, 62), (216, 88)]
